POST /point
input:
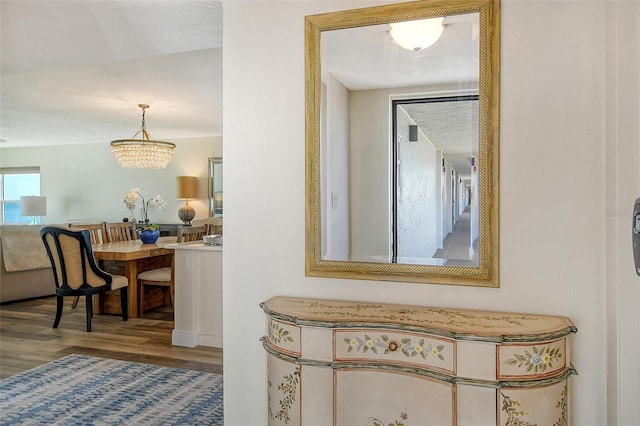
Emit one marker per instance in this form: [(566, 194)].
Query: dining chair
[(120, 231), (213, 224), (98, 236), (191, 233), (164, 277), (97, 231), (75, 270)]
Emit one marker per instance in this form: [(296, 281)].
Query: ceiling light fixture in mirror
[(417, 35)]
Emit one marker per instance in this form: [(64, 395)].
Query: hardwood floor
[(27, 339)]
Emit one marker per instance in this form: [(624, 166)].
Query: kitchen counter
[(198, 295)]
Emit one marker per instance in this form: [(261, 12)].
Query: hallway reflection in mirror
[(435, 177)]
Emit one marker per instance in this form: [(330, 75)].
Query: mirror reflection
[(215, 187), (396, 191), (400, 135)]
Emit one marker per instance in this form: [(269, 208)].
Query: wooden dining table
[(128, 258)]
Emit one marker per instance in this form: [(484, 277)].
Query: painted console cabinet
[(355, 363)]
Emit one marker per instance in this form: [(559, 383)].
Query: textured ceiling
[(452, 127), (368, 57), (75, 71)]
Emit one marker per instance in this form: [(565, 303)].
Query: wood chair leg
[(74, 304), (59, 306), (89, 309), (141, 287), (124, 303)]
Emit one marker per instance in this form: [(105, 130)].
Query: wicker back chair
[(75, 270)]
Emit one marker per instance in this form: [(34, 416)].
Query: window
[(14, 183)]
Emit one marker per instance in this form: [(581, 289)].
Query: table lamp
[(33, 206), (186, 188)]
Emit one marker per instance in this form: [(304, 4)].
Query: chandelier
[(142, 153)]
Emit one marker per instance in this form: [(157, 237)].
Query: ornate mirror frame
[(486, 274)]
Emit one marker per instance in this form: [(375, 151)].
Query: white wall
[(419, 195), (553, 250), (447, 199), (85, 182), (370, 170), (335, 171), (623, 186)]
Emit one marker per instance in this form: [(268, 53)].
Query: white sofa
[(25, 269)]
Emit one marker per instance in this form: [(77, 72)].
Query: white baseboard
[(210, 340), (184, 338), (191, 339)]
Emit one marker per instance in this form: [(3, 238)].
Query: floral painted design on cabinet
[(536, 360), (398, 422), (524, 409), (522, 360), (563, 420), (406, 346), (278, 334), (395, 347), (284, 336), (510, 407), (288, 392)]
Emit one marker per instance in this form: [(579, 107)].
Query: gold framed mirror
[(402, 144)]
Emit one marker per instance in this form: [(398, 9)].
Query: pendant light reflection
[(143, 153), (417, 35)]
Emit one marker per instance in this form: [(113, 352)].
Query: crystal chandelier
[(142, 153)]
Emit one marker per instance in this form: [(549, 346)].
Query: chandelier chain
[(144, 127)]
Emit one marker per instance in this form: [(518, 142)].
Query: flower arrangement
[(133, 198)]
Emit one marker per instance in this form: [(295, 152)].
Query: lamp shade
[(186, 187), (33, 206)]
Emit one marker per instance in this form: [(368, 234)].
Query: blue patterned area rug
[(85, 390)]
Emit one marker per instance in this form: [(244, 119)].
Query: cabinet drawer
[(284, 336), (526, 361), (394, 347)]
